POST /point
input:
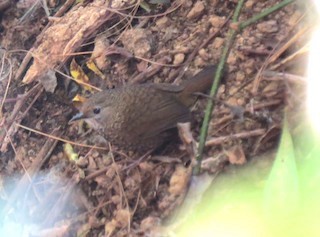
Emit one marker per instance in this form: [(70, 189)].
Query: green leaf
[(281, 196)]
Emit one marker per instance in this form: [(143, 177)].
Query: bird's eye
[(96, 110)]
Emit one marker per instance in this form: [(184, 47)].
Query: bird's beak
[(77, 117)]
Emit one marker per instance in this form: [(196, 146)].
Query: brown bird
[(142, 117)]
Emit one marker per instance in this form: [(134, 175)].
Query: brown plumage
[(141, 117)]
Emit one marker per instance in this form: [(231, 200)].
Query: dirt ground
[(53, 179)]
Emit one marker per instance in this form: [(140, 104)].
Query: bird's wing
[(166, 111)]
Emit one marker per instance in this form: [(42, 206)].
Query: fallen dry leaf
[(236, 155), (65, 36), (78, 74), (92, 66)]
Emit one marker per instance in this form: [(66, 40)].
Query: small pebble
[(218, 42), (216, 21), (249, 4), (203, 54), (196, 11), (94, 154), (268, 26), (82, 162), (178, 59), (240, 76), (163, 22)]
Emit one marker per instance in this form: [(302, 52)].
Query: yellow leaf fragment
[(93, 67), (79, 98), (79, 76), (68, 150)]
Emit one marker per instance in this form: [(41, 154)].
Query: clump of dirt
[(79, 189)]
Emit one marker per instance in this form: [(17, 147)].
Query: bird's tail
[(201, 82)]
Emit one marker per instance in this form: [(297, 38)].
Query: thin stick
[(9, 79), (264, 13), (64, 8), (121, 187), (59, 138), (219, 140), (289, 43), (230, 39), (205, 125)]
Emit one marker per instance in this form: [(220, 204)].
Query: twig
[(150, 71), (36, 4), (230, 39), (300, 52), (222, 139), (205, 125), (168, 11), (137, 202), (24, 63), (250, 109), (64, 8), (9, 79), (273, 75), (121, 187), (97, 173), (290, 42), (60, 139)]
